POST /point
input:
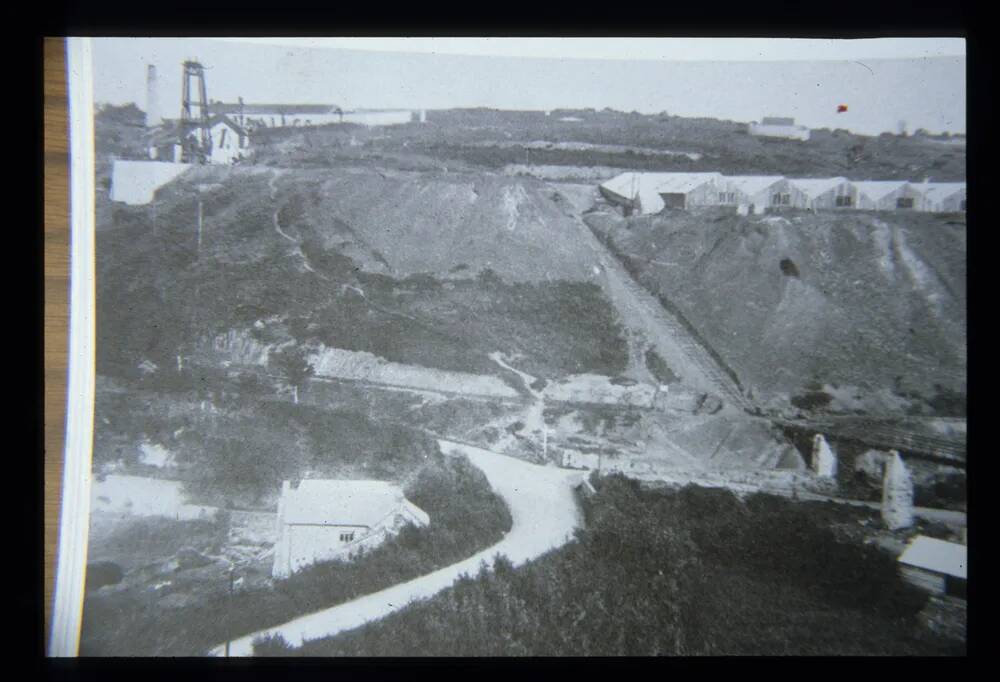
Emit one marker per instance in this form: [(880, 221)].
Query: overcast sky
[(883, 82)]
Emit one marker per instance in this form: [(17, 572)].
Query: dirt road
[(545, 515)]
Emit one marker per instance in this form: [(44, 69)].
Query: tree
[(293, 364)]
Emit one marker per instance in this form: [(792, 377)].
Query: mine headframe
[(195, 133)]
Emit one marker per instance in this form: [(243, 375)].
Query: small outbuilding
[(648, 193), (937, 566), (323, 520)]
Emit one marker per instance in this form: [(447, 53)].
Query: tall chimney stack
[(153, 118)]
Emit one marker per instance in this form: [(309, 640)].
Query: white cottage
[(323, 520), (229, 141)]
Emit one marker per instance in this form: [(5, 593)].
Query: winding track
[(545, 515)]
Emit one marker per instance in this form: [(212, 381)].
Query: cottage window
[(722, 197), (222, 140), (347, 537), (845, 200), (776, 200), (786, 199), (904, 202)]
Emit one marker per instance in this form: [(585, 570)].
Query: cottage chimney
[(153, 117)]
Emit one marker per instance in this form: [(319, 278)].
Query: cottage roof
[(222, 118), (877, 189), (752, 184), (345, 503), (936, 555), (813, 187)]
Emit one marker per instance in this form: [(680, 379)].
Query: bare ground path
[(545, 515)]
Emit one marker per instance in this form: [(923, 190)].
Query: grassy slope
[(660, 573), (875, 297), (155, 289)]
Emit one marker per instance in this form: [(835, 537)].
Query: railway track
[(887, 433), (672, 337)]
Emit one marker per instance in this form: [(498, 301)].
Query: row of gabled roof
[(647, 186)]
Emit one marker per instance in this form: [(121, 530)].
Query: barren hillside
[(803, 304)]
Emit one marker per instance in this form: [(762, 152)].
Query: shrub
[(271, 645), (101, 573)]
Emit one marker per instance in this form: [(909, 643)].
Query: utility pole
[(230, 609), (199, 226)]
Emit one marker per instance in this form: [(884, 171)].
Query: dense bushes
[(242, 457), (689, 572), (466, 516)]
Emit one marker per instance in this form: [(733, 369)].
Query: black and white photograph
[(507, 347)]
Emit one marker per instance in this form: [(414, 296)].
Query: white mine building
[(254, 116), (323, 520), (777, 126)]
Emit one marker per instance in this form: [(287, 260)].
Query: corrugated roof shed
[(813, 187), (876, 189), (682, 183), (649, 186), (936, 555), (752, 184), (939, 191), (345, 503)]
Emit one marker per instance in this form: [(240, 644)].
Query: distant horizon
[(923, 92), (539, 111)]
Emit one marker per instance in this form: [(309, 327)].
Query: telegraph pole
[(199, 225), (230, 609)]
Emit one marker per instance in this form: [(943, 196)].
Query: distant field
[(491, 139)]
